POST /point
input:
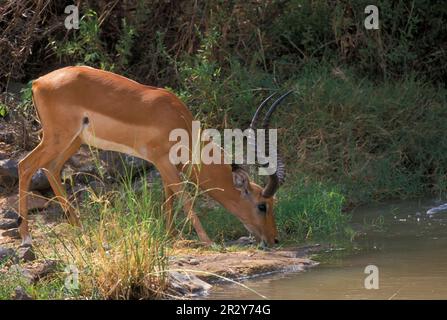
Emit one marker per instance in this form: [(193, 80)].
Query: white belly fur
[(88, 138)]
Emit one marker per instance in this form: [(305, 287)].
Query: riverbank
[(191, 268), (242, 263)]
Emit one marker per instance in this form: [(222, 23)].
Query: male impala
[(83, 105)]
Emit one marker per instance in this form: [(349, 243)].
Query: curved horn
[(272, 109), (256, 115), (254, 121), (276, 179)]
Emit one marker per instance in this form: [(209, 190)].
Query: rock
[(97, 186), (35, 201), (8, 172), (10, 214), (187, 284), (79, 191), (85, 174), (8, 167), (136, 164), (8, 224), (26, 254), (22, 272), (39, 182), (193, 262), (6, 253), (186, 260), (143, 183), (36, 270), (20, 294), (307, 250), (153, 175), (7, 137), (40, 270), (10, 175), (12, 233), (243, 241)]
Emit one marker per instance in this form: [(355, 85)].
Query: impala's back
[(108, 111)]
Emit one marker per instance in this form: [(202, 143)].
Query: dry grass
[(122, 250)]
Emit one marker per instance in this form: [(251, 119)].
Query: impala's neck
[(217, 181)]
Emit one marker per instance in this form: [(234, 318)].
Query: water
[(410, 251)]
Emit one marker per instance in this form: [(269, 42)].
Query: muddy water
[(409, 249)]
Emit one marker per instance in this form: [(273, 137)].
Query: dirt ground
[(213, 267)]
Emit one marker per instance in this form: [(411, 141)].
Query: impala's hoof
[(27, 241), (208, 244), (264, 246)]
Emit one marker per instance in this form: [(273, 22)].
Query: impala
[(83, 105)]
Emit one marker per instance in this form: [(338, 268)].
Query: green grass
[(312, 211), (44, 289), (377, 141), (303, 212)]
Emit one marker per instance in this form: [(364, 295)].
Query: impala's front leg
[(167, 209), (189, 211), (172, 181), (24, 182)]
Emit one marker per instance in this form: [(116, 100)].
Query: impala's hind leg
[(53, 173), (43, 154)]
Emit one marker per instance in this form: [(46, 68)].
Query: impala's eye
[(262, 207)]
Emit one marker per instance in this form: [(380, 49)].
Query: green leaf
[(3, 110)]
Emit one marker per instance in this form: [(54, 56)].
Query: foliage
[(275, 36), (309, 211), (3, 110), (122, 251), (376, 140), (305, 211), (26, 100), (45, 289), (411, 38)]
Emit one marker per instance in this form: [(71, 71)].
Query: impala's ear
[(241, 180)]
